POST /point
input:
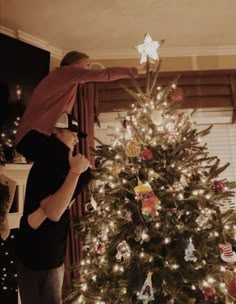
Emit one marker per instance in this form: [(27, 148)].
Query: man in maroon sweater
[(57, 92)]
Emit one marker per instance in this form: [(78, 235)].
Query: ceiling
[(111, 28)]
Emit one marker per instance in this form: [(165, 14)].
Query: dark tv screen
[(22, 67)]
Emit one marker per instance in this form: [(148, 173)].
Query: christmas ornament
[(146, 154), (203, 221), (218, 186), (189, 255), (103, 236), (142, 188), (89, 207), (227, 254), (231, 287), (146, 294), (228, 275), (116, 169), (93, 203), (100, 248), (149, 49), (209, 294), (123, 251), (149, 200), (141, 235), (156, 117), (164, 288), (132, 149), (149, 205), (177, 186), (130, 132), (170, 126), (176, 94)]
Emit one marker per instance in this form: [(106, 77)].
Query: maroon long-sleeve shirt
[(56, 94)]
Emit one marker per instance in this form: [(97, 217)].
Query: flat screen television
[(22, 67)]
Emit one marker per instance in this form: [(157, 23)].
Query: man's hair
[(73, 57)]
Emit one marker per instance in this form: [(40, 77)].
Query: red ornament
[(231, 287), (146, 154), (209, 294), (218, 186), (177, 94), (100, 248), (150, 204)]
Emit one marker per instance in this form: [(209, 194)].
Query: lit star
[(149, 48)]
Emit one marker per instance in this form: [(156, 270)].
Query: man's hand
[(78, 163)]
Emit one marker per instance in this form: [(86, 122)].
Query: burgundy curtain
[(85, 111)]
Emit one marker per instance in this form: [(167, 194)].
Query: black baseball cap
[(67, 121)]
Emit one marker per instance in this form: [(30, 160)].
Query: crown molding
[(198, 51), (7, 31), (25, 37), (168, 52), (129, 53)]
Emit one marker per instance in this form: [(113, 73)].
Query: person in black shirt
[(55, 179)]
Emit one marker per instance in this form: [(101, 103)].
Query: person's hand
[(78, 163), (142, 68)]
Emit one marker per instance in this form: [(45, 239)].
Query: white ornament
[(149, 49), (227, 254), (93, 203), (123, 251), (189, 255), (204, 221), (156, 117), (146, 294)]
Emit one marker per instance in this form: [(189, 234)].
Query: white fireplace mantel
[(18, 173)]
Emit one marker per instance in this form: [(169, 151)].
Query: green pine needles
[(161, 223)]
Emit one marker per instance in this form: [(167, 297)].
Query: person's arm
[(36, 218), (73, 73), (55, 204)]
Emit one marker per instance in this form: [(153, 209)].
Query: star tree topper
[(149, 49)]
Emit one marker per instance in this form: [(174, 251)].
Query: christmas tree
[(160, 226), (10, 122)]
